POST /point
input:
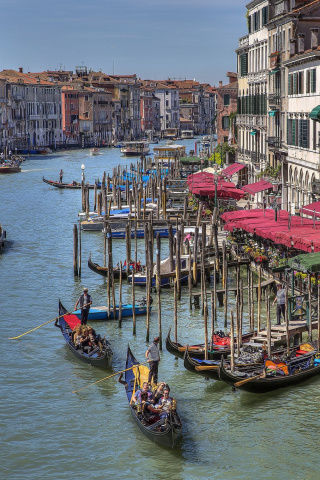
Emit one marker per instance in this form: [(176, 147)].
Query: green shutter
[(293, 132), (294, 88), (313, 80)]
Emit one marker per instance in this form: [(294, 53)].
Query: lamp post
[(82, 173), (215, 192)]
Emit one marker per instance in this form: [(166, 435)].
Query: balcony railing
[(274, 142), (274, 99)]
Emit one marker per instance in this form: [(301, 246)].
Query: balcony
[(274, 99), (274, 142)]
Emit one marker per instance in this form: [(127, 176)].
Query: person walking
[(84, 301), (61, 175), (281, 303), (153, 356)]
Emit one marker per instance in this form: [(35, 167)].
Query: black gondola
[(104, 270), (300, 369), (73, 185), (197, 351), (165, 433), (98, 358)]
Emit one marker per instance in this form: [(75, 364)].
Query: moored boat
[(266, 379), (101, 313), (103, 271), (163, 432), (3, 235), (98, 357)]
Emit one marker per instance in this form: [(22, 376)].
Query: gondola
[(197, 350), (66, 322), (165, 433), (210, 368), (73, 185), (104, 270), (259, 381)]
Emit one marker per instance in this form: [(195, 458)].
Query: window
[(226, 99), (298, 132), (264, 16), (313, 80), (225, 122), (243, 64), (167, 103)]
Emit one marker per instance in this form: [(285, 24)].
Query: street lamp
[(82, 173)]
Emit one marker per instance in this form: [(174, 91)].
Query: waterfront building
[(102, 116), (226, 106), (252, 59), (169, 106), (70, 114)]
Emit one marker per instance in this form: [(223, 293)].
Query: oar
[(113, 375), (247, 380), (67, 313)]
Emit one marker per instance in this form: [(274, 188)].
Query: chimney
[(220, 83), (20, 69)]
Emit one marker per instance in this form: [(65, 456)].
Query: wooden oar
[(113, 375), (67, 313), (247, 380)]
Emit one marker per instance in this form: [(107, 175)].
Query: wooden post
[(190, 280), (238, 326), (252, 301), (287, 322), (205, 330), (79, 249), (147, 273), (226, 297), (109, 278), (120, 296), (175, 310), (268, 325), (259, 298), (178, 263), (158, 253), (128, 248), (215, 299), (99, 203), (95, 197), (75, 250), (195, 257), (135, 246), (232, 342), (170, 235), (241, 310), (133, 306), (309, 301), (318, 313)]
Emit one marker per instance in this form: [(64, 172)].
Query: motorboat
[(135, 148)]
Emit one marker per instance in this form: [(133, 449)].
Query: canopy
[(232, 169), (204, 184), (256, 187), (306, 262), (311, 209), (315, 114)]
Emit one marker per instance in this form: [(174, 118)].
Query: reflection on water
[(48, 432)]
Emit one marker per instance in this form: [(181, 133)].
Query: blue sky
[(154, 39)]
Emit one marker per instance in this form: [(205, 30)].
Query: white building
[(169, 106)]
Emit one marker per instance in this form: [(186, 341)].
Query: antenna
[(113, 67)]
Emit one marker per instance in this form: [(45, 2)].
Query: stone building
[(226, 105)]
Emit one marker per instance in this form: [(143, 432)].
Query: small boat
[(94, 151), (210, 368), (98, 358), (135, 148), (163, 432), (3, 235), (101, 313), (215, 352), (74, 185), (9, 168), (121, 233), (116, 271), (264, 379)]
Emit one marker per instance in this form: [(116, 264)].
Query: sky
[(155, 39)]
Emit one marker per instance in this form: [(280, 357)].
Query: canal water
[(47, 432)]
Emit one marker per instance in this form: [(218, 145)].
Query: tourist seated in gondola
[(158, 392), (150, 412), (136, 397), (165, 403)]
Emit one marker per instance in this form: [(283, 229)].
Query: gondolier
[(153, 356), (84, 302), (281, 303)]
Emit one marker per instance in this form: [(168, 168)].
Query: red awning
[(313, 209), (232, 169), (256, 187)]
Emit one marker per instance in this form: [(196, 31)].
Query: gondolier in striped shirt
[(153, 356), (84, 302)]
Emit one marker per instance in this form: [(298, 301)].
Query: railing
[(274, 99), (274, 142)]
